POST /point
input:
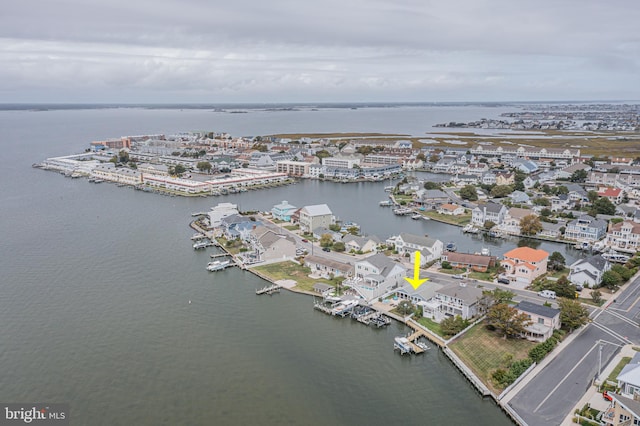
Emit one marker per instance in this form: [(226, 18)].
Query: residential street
[(549, 396)]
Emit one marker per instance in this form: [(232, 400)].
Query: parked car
[(606, 396), (548, 294), (578, 287), (305, 241), (457, 276), (326, 249), (504, 281)]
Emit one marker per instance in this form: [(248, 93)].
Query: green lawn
[(292, 227), (624, 361), (431, 325), (461, 220), (484, 352), (233, 248), (292, 271)]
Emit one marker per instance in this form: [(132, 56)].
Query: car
[(504, 281), (457, 276), (305, 240), (606, 396), (578, 288), (548, 294), (326, 249)]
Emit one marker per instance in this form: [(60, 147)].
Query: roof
[(418, 240), (610, 192), (334, 264), (597, 261), (575, 167), (467, 258), (321, 287), (490, 207), (629, 404), (467, 294), (317, 210), (284, 205), (527, 254), (382, 262), (434, 193), (519, 213), (534, 308), (450, 206)]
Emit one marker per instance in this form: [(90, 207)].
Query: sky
[(264, 51)]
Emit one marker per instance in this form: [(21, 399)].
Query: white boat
[(201, 244), (615, 257), (403, 345), (451, 246), (389, 188), (416, 216), (401, 211), (423, 346), (385, 203), (217, 265), (198, 236)]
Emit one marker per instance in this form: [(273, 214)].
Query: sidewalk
[(592, 396)]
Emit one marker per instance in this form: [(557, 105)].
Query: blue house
[(586, 228), (283, 211)]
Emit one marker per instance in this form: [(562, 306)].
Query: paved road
[(548, 397)]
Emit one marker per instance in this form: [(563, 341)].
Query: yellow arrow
[(416, 281)]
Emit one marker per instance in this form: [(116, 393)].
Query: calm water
[(96, 282)]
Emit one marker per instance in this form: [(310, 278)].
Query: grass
[(292, 227), (485, 351), (292, 271), (233, 248), (614, 373), (461, 220), (431, 325)]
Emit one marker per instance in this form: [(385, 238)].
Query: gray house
[(586, 228), (588, 272), (488, 211)]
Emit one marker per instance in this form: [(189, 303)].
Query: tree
[(260, 147), (123, 156), (431, 185), (499, 295), (323, 154), (405, 307), (488, 224), (530, 225), (507, 320), (338, 246), (421, 157), (326, 240), (178, 170), (611, 280), (572, 314), (334, 227), (114, 159), (545, 212), (624, 272), (602, 206), (540, 201), (434, 158), (556, 261), (204, 166), (563, 288), (578, 176), (451, 326), (596, 296), (592, 196), (500, 191), (468, 192)]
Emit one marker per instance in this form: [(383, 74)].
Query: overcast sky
[(328, 50)]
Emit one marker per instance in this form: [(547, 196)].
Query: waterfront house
[(221, 211), (376, 275), (588, 272), (465, 179), (544, 320), (327, 268), (361, 244), (451, 209), (483, 212), (431, 198), (586, 228), (551, 230), (454, 300), (624, 236), (237, 226), (430, 249), (511, 223), (472, 262), (283, 211), (524, 264), (271, 246), (312, 217)]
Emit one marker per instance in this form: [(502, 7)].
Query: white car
[(548, 294)]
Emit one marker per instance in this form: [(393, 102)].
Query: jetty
[(270, 289)]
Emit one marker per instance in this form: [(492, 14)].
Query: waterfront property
[(586, 228), (268, 245), (525, 264), (361, 244), (315, 216), (544, 320), (327, 268), (429, 248), (473, 262), (376, 275), (221, 211), (492, 212), (624, 236)]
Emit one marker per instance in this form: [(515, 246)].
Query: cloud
[(284, 50)]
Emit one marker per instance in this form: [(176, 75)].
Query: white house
[(430, 249), (588, 272), (493, 212), (221, 211), (376, 275)]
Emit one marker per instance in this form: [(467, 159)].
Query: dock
[(217, 255), (270, 289)]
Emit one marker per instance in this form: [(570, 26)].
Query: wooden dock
[(270, 289), (217, 255)]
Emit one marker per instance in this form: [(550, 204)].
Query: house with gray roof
[(268, 245), (525, 166), (430, 248), (586, 228), (328, 268), (377, 275), (454, 300), (629, 378), (519, 197), (315, 216), (588, 272), (431, 198), (283, 211), (362, 244), (544, 320)]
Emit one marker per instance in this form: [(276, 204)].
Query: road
[(546, 399)]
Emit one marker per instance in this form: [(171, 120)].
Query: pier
[(270, 289), (217, 255)]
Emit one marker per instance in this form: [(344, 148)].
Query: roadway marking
[(622, 317), (565, 377), (612, 333)]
